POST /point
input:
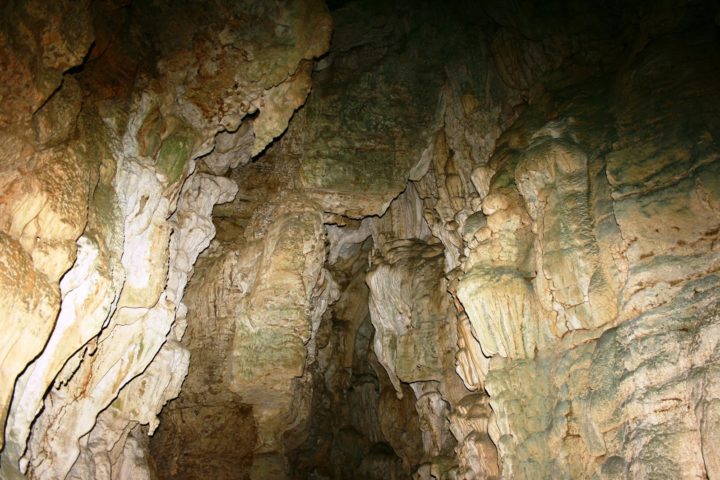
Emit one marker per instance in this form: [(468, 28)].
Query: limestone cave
[(364, 239)]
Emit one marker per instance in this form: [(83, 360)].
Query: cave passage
[(359, 239)]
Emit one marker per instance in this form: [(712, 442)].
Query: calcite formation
[(273, 240), (105, 210)]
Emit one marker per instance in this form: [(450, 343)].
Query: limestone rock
[(42, 214), (485, 247), (195, 426), (604, 379), (55, 120), (596, 404), (359, 149), (476, 453), (504, 313), (38, 44), (276, 323), (552, 178), (128, 151), (33, 302), (408, 307)]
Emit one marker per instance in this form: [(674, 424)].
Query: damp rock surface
[(384, 240)]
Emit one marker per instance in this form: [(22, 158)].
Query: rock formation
[(104, 217), (383, 240)]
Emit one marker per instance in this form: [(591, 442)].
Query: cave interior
[(359, 239)]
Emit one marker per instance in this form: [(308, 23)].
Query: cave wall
[(484, 244), (606, 370), (506, 199), (106, 108)]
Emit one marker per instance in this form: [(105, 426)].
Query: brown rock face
[(385, 240), (106, 107), (208, 431)]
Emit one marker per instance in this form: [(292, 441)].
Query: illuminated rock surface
[(383, 240)]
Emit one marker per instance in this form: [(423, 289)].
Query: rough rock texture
[(253, 318), (357, 423), (106, 108), (373, 110), (487, 245), (192, 438), (619, 390), (572, 198)]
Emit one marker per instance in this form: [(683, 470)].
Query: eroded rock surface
[(617, 393), (106, 109), (471, 241)]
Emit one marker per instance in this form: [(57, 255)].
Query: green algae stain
[(174, 155)]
